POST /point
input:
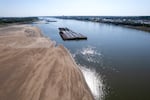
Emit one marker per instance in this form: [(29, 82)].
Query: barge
[(68, 34)]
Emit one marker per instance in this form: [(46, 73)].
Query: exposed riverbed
[(118, 57)]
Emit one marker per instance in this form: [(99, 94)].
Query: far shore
[(32, 67), (135, 22), (142, 28)]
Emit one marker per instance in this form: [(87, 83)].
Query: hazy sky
[(74, 7)]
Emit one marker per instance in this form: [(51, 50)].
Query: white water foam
[(89, 51), (90, 54), (94, 82)]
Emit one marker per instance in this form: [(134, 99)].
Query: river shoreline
[(33, 68), (139, 23)]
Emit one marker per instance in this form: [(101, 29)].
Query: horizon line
[(83, 16)]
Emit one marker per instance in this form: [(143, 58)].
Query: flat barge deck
[(68, 34)]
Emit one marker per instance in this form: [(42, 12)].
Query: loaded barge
[(68, 34)]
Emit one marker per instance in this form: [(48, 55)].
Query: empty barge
[(68, 34)]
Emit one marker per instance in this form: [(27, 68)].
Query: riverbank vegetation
[(17, 20), (136, 22)]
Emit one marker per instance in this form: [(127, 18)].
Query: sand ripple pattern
[(32, 68)]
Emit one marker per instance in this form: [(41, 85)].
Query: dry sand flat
[(32, 68)]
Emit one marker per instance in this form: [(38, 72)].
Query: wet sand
[(33, 68)]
